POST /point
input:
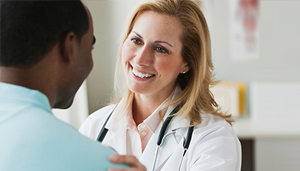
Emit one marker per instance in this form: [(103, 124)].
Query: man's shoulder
[(46, 143), (78, 149)]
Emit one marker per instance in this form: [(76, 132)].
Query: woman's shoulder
[(215, 138), (216, 131), (214, 124)]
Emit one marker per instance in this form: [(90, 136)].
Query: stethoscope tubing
[(166, 123), (186, 143), (161, 143), (104, 130), (161, 137)]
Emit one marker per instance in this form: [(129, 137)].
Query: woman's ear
[(185, 69), (69, 46)]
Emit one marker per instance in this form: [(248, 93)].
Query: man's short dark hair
[(30, 29)]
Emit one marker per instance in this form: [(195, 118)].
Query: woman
[(166, 60)]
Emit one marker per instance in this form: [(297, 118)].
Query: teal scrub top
[(33, 139)]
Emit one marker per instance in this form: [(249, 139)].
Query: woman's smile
[(141, 75)]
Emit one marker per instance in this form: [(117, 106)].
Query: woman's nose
[(144, 57)]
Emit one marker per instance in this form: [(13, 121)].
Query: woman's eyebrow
[(163, 42), (155, 41), (137, 34)]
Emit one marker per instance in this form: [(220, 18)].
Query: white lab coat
[(214, 146)]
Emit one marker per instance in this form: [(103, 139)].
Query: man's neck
[(26, 77)]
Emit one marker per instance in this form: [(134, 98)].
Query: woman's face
[(151, 55)]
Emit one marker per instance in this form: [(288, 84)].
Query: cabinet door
[(277, 154)]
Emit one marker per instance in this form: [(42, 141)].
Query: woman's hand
[(130, 160)]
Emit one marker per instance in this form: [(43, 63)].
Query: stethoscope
[(161, 137)]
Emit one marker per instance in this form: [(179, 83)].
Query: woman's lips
[(141, 75)]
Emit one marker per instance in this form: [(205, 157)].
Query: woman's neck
[(143, 106)]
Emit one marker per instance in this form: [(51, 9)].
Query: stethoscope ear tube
[(104, 130), (163, 129), (102, 134), (188, 137), (166, 123)]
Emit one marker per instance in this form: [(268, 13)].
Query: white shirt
[(138, 136)]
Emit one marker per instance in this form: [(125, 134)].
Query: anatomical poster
[(244, 29)]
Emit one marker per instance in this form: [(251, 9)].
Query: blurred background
[(256, 54)]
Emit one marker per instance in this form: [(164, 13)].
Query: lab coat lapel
[(116, 136), (148, 155), (173, 162), (167, 147), (172, 148)]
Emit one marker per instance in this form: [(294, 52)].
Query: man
[(45, 56)]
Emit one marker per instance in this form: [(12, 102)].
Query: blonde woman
[(166, 61)]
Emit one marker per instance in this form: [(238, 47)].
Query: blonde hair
[(195, 97)]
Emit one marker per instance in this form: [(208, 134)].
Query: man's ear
[(69, 45)]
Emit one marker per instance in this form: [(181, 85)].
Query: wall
[(108, 17), (279, 44), (278, 62)]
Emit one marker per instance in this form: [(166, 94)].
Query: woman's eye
[(161, 50), (136, 41)]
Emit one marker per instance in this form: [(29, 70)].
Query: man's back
[(31, 138)]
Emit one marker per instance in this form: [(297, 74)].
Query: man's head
[(49, 40), (29, 29)]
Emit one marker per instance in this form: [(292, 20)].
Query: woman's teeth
[(141, 75)]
